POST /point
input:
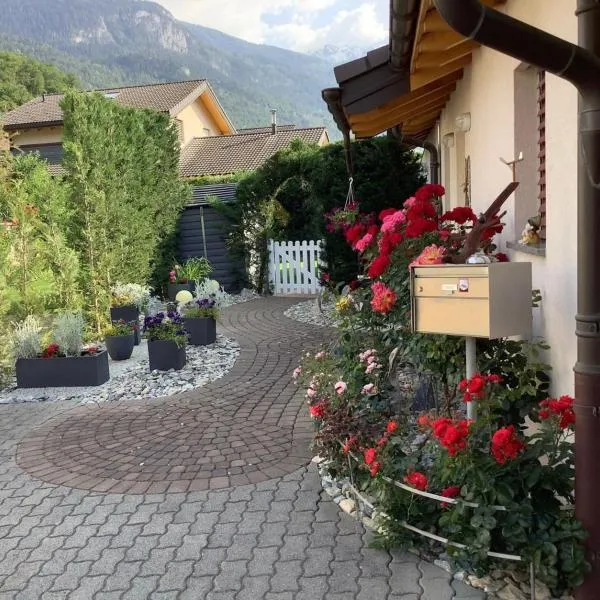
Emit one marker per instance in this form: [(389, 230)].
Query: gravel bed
[(132, 380), (308, 311)]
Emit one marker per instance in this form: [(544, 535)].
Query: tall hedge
[(126, 196), (306, 181)]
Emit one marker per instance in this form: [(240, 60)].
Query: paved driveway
[(208, 495)]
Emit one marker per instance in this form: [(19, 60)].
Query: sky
[(301, 25)]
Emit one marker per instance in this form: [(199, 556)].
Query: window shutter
[(541, 116)]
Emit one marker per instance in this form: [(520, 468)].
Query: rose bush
[(503, 483)]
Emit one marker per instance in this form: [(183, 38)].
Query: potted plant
[(188, 275), (200, 321), (120, 340), (166, 341), (63, 363), (128, 300)]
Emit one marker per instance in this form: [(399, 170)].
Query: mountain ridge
[(111, 43)]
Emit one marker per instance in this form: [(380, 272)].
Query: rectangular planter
[(201, 331), (165, 355), (69, 371), (128, 314), (175, 288)]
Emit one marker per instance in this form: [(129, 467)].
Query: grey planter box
[(120, 347), (128, 314), (201, 331), (165, 355), (175, 288), (69, 371)]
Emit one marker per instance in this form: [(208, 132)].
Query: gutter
[(434, 162), (579, 64)]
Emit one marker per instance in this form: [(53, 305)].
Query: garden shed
[(203, 232)]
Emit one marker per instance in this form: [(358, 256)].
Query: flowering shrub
[(501, 485)]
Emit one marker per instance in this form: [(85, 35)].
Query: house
[(210, 143), (478, 109)]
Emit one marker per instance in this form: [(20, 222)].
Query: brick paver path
[(203, 496)]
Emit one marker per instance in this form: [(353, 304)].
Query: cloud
[(302, 25)]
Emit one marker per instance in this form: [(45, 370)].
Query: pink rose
[(340, 387), (370, 388), (320, 355), (311, 392), (296, 372)]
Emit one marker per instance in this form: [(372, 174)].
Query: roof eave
[(32, 125)]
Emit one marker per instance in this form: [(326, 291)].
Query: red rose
[(505, 445), (317, 410), (450, 492), (417, 480), (369, 455), (562, 409), (391, 427)]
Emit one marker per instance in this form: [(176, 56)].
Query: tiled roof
[(221, 155), (266, 129), (162, 97)]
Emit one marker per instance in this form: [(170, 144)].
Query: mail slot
[(488, 301)]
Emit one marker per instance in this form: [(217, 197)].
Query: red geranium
[(561, 408), (386, 212), (429, 191), (419, 226), (460, 215), (378, 266), (354, 233), (417, 480), (388, 242), (424, 421), (505, 445)]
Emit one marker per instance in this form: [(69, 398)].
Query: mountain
[(115, 42), (337, 55)]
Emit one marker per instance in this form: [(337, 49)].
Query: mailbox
[(481, 300)]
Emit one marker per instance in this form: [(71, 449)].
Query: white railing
[(294, 267)]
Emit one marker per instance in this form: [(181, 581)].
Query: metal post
[(471, 359)]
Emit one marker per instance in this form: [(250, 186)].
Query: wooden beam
[(428, 110), (435, 42), (423, 77), (370, 129), (433, 60), (404, 106)]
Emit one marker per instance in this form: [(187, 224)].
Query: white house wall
[(487, 93)]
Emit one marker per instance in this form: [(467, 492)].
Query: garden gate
[(294, 266)]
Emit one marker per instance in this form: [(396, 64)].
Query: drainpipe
[(581, 66), (434, 156)]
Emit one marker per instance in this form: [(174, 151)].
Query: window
[(530, 146), (179, 126)]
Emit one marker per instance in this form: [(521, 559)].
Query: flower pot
[(129, 314), (175, 288), (68, 371), (165, 355), (120, 347), (201, 331)]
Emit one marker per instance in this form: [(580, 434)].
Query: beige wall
[(43, 135), (195, 119), (487, 92)]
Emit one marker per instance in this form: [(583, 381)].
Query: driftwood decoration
[(490, 218)]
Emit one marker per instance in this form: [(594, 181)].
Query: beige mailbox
[(481, 300)]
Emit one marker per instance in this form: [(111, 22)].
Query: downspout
[(434, 155), (581, 66)]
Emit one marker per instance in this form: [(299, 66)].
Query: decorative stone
[(479, 582), (369, 523), (443, 564), (348, 505), (541, 591), (511, 592)]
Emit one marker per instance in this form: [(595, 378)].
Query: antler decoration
[(490, 218)]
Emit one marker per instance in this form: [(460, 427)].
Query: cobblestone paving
[(275, 538)]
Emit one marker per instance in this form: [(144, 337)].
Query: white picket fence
[(294, 266)]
